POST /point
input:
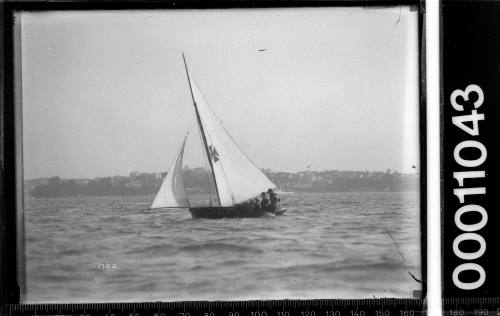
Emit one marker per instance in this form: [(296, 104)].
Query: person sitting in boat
[(275, 200), (265, 200), (256, 203), (250, 204)]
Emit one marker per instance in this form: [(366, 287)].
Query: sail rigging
[(236, 178), (203, 136), (210, 184), (172, 192)]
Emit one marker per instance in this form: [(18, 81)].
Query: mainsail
[(237, 179), (172, 192)]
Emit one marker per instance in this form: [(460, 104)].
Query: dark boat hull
[(215, 212)]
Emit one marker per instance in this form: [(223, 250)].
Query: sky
[(105, 92)]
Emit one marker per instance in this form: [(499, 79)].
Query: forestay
[(172, 192), (237, 178)]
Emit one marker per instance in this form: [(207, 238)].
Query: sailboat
[(236, 179)]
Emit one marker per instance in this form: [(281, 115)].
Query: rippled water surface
[(328, 245)]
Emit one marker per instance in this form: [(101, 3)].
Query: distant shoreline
[(136, 184), (152, 195)]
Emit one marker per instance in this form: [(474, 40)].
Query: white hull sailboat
[(237, 181)]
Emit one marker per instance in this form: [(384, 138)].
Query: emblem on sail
[(213, 153), (235, 177)]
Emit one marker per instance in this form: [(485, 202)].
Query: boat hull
[(215, 212)]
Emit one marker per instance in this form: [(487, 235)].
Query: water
[(329, 245)]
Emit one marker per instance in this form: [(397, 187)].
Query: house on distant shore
[(134, 184), (82, 181)]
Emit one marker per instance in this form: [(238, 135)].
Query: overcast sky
[(105, 93)]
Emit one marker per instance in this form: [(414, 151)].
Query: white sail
[(237, 178), (172, 192)]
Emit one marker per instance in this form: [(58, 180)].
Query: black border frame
[(9, 288)]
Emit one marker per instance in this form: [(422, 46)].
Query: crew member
[(250, 204), (274, 200), (265, 200), (256, 203)]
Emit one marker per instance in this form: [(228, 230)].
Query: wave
[(71, 252), (156, 249), (337, 267), (272, 239), (217, 246)]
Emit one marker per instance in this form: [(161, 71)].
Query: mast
[(203, 137)]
